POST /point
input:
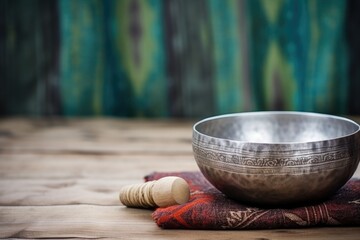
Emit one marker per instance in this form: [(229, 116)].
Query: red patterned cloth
[(210, 209)]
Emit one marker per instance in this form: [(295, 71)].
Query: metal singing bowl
[(277, 158)]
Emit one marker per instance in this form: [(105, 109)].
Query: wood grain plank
[(94, 137), (52, 180), (126, 223), (29, 124), (105, 167), (87, 166), (61, 179), (76, 147), (96, 130), (40, 192), (48, 192), (21, 124)]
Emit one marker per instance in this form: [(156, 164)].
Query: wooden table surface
[(61, 178)]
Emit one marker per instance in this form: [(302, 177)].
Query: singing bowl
[(277, 158)]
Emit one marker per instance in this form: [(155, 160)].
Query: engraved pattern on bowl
[(280, 168)]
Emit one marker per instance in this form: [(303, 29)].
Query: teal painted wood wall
[(177, 58)]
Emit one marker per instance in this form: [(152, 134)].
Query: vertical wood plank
[(227, 56), (82, 56), (298, 56), (326, 67), (28, 65), (353, 39), (137, 43), (190, 58)]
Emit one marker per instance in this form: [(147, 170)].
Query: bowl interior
[(277, 127)]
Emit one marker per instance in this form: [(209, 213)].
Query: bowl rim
[(276, 113)]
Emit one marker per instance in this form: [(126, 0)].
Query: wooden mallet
[(164, 192)]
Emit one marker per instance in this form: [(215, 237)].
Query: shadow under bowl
[(277, 158)]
